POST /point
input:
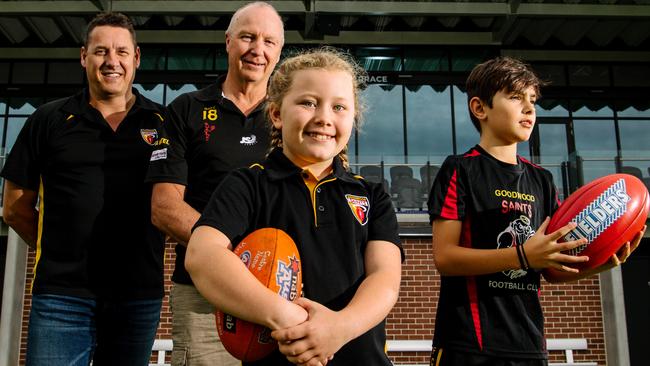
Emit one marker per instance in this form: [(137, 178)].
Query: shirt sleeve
[(231, 206), (447, 199), (382, 220), (22, 166), (168, 163)]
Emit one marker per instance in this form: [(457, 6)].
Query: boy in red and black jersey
[(489, 209)]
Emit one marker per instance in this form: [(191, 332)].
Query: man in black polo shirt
[(98, 283), (212, 131)]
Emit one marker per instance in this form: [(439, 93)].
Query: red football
[(271, 255), (609, 212)]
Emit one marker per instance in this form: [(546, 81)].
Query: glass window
[(635, 149), (24, 105), (3, 108), (523, 149), (631, 75), (428, 59), (466, 134), (588, 75), (352, 155), (190, 59), (152, 58), (152, 91), (29, 73), (174, 91), (466, 59), (382, 132), (592, 108), (4, 72), (428, 121), (221, 60), (554, 74), (596, 144), (641, 110), (288, 50), (551, 108), (553, 145), (14, 125), (553, 150), (379, 58), (65, 73)]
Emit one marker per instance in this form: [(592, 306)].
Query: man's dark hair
[(500, 73), (113, 20)]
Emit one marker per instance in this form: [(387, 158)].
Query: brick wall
[(572, 310), (164, 330)]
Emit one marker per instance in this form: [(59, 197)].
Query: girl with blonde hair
[(344, 227)]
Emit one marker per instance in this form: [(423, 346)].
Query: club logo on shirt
[(359, 206), (158, 154), (209, 117), (287, 278), (207, 130), (517, 232), (149, 136), (248, 140)]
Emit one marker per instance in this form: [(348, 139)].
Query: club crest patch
[(359, 206), (149, 136), (248, 140)]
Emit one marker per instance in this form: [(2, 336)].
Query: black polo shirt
[(209, 136), (95, 238), (331, 230)]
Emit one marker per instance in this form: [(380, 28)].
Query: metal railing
[(571, 175)]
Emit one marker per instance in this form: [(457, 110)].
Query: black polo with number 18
[(209, 136)]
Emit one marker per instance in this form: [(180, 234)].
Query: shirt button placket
[(321, 208)]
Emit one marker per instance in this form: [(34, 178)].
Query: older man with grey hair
[(212, 131)]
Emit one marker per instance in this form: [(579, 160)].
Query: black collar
[(278, 167), (214, 92), (79, 104)]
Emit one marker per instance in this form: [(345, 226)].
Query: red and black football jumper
[(500, 205), (331, 224)]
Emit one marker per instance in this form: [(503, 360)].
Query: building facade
[(593, 119)]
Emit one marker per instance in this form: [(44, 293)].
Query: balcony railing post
[(618, 164), (580, 171), (564, 168)]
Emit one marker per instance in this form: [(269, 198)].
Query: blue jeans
[(67, 331)]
